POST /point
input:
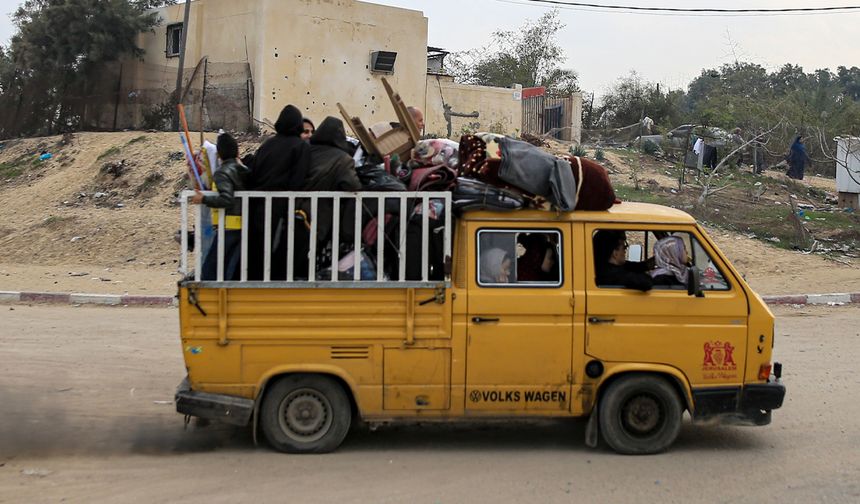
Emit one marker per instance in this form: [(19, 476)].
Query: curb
[(83, 298), (835, 299), (814, 299)]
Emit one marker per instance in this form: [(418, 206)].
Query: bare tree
[(708, 188)]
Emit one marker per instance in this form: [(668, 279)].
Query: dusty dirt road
[(86, 417)]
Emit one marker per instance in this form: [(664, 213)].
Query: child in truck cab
[(611, 264), (496, 267), (231, 177)]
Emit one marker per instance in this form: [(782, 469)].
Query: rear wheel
[(640, 414), (305, 414)]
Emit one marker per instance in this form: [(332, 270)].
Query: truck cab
[(518, 326)]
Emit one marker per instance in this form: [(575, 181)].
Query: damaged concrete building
[(255, 56)]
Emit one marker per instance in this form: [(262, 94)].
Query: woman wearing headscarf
[(797, 159), (670, 258), (280, 164), (496, 267)]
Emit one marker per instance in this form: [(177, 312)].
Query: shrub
[(578, 150), (650, 147)]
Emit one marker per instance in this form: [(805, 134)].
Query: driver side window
[(652, 259)]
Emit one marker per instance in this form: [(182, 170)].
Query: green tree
[(631, 97), (58, 49), (530, 56)]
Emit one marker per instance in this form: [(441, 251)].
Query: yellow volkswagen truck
[(302, 359)]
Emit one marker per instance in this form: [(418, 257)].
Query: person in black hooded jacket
[(280, 164), (332, 169)]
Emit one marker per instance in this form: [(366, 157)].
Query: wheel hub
[(305, 415), (642, 415)]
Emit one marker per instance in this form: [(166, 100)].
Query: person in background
[(670, 258), (417, 116), (308, 129), (797, 159), (231, 177), (613, 268)]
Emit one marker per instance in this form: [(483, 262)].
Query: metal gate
[(545, 114)]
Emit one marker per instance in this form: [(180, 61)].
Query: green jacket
[(231, 177)]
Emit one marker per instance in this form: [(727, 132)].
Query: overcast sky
[(672, 50)]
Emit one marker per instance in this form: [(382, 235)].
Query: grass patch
[(110, 152), (10, 170), (628, 193), (833, 220)]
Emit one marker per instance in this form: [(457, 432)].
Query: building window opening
[(174, 40)]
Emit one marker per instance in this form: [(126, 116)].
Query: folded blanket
[(538, 172)]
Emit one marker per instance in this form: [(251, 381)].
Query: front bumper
[(229, 409), (749, 405)]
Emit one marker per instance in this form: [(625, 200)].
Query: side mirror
[(694, 287)]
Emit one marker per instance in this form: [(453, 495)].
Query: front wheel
[(305, 414), (640, 414)]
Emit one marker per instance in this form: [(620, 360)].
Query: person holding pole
[(231, 177)]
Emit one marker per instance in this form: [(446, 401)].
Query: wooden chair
[(399, 140)]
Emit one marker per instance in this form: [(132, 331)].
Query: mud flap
[(591, 429)]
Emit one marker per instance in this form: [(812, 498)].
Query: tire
[(305, 414), (640, 414)]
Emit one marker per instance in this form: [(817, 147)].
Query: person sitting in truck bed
[(280, 164), (331, 169), (670, 257), (611, 264), (231, 177)]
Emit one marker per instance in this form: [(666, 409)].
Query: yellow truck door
[(520, 320), (702, 337)]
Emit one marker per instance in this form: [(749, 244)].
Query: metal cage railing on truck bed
[(405, 203)]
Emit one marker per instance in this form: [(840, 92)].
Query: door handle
[(480, 320), (598, 320)]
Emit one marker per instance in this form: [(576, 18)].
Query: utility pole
[(178, 92)]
